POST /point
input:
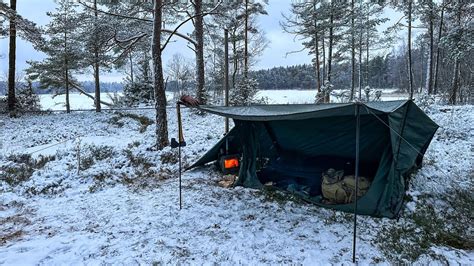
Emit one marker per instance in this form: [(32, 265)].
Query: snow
[(80, 101), (308, 96), (97, 217), (77, 101)]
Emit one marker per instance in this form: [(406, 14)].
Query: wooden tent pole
[(357, 111)]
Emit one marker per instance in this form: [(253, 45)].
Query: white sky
[(274, 55)]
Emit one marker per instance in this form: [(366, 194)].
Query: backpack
[(340, 189)]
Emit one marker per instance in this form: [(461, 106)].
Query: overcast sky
[(274, 55)]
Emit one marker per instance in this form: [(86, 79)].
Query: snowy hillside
[(121, 206)]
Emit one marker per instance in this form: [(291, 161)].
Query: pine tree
[(245, 93), (12, 60), (18, 26), (27, 99), (458, 44), (158, 81), (325, 24), (140, 90), (97, 34), (239, 18), (63, 52)]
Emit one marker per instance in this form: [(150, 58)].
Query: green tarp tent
[(291, 145)]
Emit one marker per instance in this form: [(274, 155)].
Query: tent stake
[(356, 180)]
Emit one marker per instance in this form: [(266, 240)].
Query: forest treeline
[(343, 39), (384, 72)]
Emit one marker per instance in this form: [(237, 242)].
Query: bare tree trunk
[(422, 52), (429, 68), (131, 67), (96, 65), (318, 64), (66, 73), (234, 59), (435, 89), (367, 49), (367, 63), (455, 83), (199, 33), (158, 81), (68, 106), (97, 87), (324, 58), (331, 39), (457, 63), (316, 50), (12, 61), (410, 69), (246, 40), (352, 51)]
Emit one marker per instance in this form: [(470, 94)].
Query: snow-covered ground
[(121, 207)]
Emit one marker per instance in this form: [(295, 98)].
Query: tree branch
[(115, 14), (75, 86), (174, 32), (128, 48), (294, 52)]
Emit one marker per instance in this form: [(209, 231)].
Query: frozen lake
[(77, 101), (80, 101)]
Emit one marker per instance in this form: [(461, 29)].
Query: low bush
[(438, 220), (20, 167), (142, 120), (91, 154)]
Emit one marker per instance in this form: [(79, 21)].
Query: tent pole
[(356, 180), (180, 194), (180, 143)]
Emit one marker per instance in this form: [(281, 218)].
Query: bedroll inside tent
[(291, 146)]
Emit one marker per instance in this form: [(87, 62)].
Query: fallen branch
[(75, 86)]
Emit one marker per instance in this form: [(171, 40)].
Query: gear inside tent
[(299, 148)]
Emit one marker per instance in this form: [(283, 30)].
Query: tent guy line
[(409, 144)]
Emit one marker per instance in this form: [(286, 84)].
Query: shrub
[(27, 99), (245, 92), (93, 154), (439, 220), (169, 157), (142, 120), (20, 167)]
